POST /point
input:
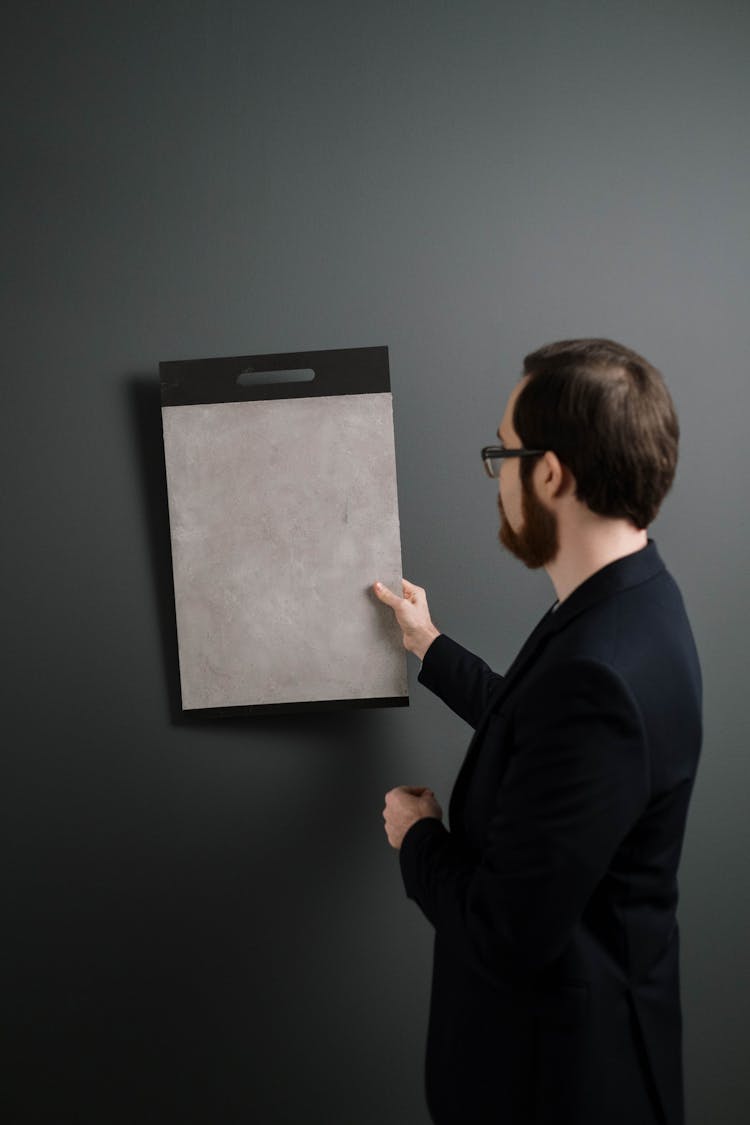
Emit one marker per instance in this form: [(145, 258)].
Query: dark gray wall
[(204, 921)]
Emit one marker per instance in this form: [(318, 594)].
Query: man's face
[(527, 529)]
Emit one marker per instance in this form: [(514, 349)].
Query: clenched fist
[(404, 806)]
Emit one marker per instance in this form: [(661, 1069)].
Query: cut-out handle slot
[(251, 378)]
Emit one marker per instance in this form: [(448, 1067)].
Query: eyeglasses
[(493, 456)]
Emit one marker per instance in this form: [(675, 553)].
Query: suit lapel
[(618, 575), (528, 651)]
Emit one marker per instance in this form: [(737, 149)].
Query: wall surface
[(203, 921)]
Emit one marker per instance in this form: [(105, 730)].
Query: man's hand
[(404, 806), (412, 615)]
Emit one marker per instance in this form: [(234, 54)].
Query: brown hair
[(607, 414)]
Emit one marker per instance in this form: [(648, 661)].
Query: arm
[(576, 783), (462, 680)]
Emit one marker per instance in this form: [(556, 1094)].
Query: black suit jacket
[(555, 992)]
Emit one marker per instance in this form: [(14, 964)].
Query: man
[(555, 991)]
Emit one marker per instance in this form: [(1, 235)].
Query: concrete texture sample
[(282, 514)]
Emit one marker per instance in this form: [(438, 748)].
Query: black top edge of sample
[(339, 371)]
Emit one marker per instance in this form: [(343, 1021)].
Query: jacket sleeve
[(576, 782), (462, 680)]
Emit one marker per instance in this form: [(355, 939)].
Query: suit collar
[(631, 570), (618, 575)]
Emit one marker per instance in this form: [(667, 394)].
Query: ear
[(554, 479)]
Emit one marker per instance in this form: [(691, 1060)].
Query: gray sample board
[(283, 511)]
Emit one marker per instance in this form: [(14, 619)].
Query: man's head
[(607, 423)]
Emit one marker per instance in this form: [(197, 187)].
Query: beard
[(537, 542)]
